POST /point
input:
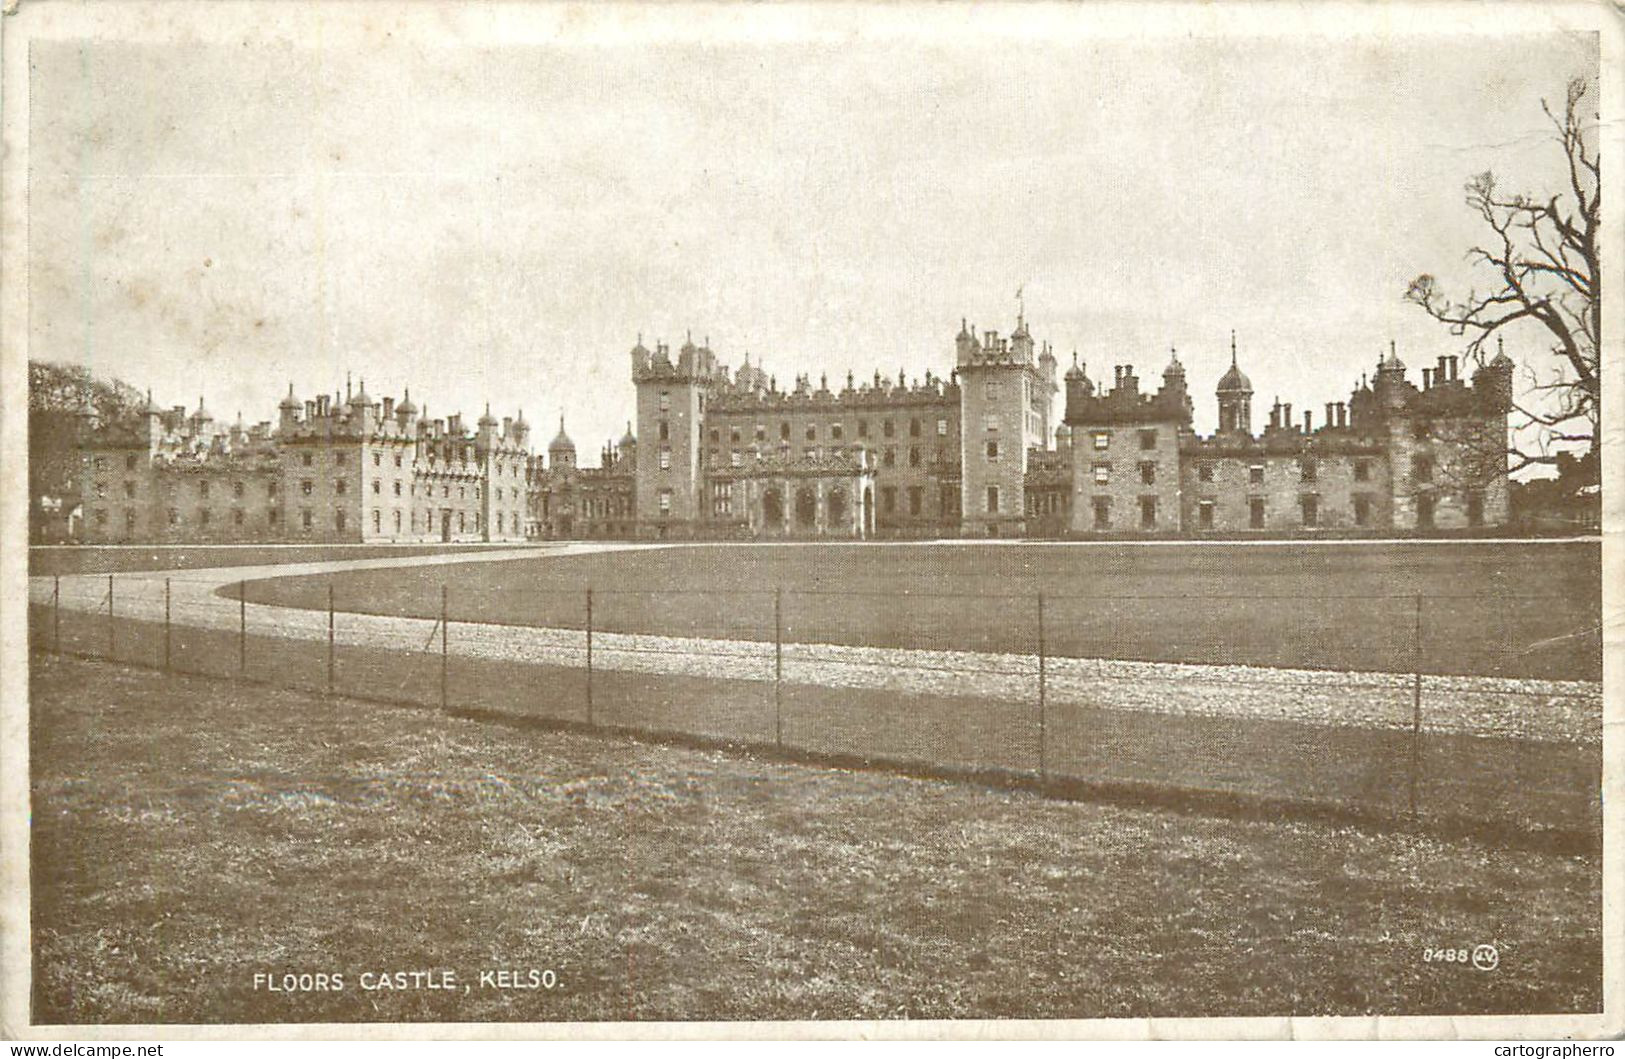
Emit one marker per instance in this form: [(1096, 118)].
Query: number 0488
[(1445, 956)]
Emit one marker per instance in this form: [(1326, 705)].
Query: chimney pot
[(1308, 421)]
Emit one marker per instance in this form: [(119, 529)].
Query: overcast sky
[(501, 223)]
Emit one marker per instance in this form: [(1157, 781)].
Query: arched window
[(837, 505), (806, 505)]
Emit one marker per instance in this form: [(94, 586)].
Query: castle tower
[(997, 422), (363, 417), (289, 411), (406, 416), (670, 422), (487, 433), (561, 451), (152, 418), (1235, 392), (1389, 384)]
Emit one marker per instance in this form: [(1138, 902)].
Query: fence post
[(166, 625), (589, 656), (330, 637), (56, 614), (1043, 698), (443, 640), (778, 666), (242, 629), (112, 643), (1416, 703)]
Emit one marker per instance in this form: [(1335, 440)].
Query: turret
[(201, 420), (406, 415), (362, 415), (1078, 388), (561, 451), (1021, 340), (1494, 379), (487, 433), (964, 344), (521, 431), (640, 357), (1389, 385), (1235, 392), (152, 419)]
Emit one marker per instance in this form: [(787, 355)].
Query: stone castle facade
[(978, 454), (330, 471), (720, 454)]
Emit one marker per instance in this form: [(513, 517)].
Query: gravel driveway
[(1561, 711)]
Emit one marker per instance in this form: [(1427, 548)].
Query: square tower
[(1001, 388), (670, 422)]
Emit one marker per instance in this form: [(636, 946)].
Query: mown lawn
[(1521, 609), (189, 833)]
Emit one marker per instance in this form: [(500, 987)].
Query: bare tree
[(1544, 256)]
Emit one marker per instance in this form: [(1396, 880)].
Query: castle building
[(732, 455), (720, 454), (569, 501), (329, 471)]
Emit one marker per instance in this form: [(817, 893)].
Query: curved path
[(1564, 711)]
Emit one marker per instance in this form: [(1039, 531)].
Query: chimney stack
[(1331, 414), (1308, 421), (1427, 378), (1455, 368), (1286, 416)]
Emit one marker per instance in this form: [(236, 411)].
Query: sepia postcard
[(824, 520)]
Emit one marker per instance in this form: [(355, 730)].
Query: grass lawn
[(1491, 609), (189, 833)]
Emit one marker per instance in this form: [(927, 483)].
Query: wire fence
[(1441, 708)]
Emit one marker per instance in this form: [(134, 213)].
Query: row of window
[(888, 457), (273, 517), (1103, 439), (837, 431)]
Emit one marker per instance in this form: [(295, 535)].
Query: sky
[(501, 222)]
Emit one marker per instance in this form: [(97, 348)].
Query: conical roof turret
[(1233, 381), (562, 441)]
